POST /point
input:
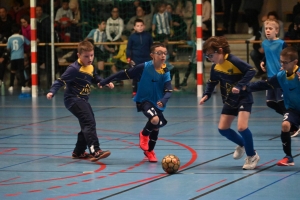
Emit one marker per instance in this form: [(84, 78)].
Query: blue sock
[(232, 136), (247, 136)]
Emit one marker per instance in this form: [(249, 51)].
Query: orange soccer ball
[(170, 164)]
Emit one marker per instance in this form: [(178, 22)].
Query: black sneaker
[(99, 155), (81, 156)]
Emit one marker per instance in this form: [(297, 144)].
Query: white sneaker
[(250, 30), (11, 88), (26, 88), (239, 152), (251, 161), (296, 133)]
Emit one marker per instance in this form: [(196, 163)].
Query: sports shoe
[(295, 133), (250, 30), (99, 155), (286, 161), (11, 88), (81, 156), (183, 84), (151, 156), (144, 142), (251, 161), (26, 88), (239, 152), (133, 94)]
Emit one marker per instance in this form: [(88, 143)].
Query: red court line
[(265, 163), (7, 150), (211, 185), (78, 160), (32, 191), (10, 179), (13, 195), (183, 131)]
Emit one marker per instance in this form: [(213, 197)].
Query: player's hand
[(110, 85), (235, 90), (203, 100), (160, 104), (49, 95), (153, 34), (262, 66)]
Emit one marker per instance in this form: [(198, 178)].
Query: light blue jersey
[(15, 44)]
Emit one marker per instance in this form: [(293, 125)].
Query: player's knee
[(224, 132), (155, 120), (285, 126)]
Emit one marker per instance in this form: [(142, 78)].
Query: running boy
[(77, 80), (288, 81), (152, 95), (232, 73)]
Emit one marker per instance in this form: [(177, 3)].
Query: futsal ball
[(170, 164)]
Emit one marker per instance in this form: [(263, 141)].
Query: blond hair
[(272, 22)]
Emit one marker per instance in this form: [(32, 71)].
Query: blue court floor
[(37, 137)]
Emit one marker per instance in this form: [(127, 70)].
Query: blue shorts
[(228, 110), (292, 116), (150, 111), (274, 95)]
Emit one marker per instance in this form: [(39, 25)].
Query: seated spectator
[(252, 9), (6, 23), (206, 19), (294, 34), (187, 9), (75, 27), (140, 14), (296, 9), (18, 10), (179, 25), (273, 15), (63, 20), (26, 31), (101, 51), (4, 60), (115, 26)]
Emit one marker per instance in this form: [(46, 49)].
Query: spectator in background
[(115, 26), (179, 26), (274, 16), (4, 60), (231, 11), (296, 9), (140, 14), (6, 23), (187, 9), (206, 19), (75, 27), (18, 10), (161, 23), (252, 9), (63, 20), (294, 34), (26, 31)]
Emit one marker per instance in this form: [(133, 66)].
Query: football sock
[(248, 141), (286, 143), (12, 79), (148, 128), (232, 136), (153, 137)]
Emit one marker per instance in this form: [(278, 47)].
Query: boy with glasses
[(152, 95), (233, 74), (288, 80)]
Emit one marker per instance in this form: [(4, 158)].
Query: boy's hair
[(138, 20), (272, 22), (100, 21), (154, 46), (26, 18), (215, 43), (290, 52), (85, 46), (273, 13), (15, 28)]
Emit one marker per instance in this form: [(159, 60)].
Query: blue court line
[(269, 185), (33, 160), (10, 136)]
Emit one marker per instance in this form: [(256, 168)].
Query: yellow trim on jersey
[(161, 70), (89, 69), (227, 67), (291, 77)]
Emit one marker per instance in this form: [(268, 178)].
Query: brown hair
[(154, 46), (215, 43), (290, 53), (85, 46)]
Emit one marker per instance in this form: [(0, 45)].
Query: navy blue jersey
[(233, 72), (153, 85), (77, 80), (290, 86)]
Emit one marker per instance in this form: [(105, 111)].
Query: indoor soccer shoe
[(144, 142), (294, 134), (151, 156), (81, 156), (239, 152), (99, 155), (251, 161), (286, 161)]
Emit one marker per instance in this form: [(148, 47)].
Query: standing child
[(15, 45), (138, 48), (288, 81), (77, 80), (232, 73), (152, 95)]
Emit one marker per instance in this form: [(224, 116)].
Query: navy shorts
[(17, 64), (228, 110), (274, 95), (150, 111), (292, 116)]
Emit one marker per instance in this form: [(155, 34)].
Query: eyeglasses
[(285, 62), (210, 55), (161, 53)]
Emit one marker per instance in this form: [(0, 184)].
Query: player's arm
[(270, 83), (247, 70), (211, 84), (167, 92)]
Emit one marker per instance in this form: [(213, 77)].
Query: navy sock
[(286, 143), (153, 137), (248, 141), (148, 129), (232, 136)]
